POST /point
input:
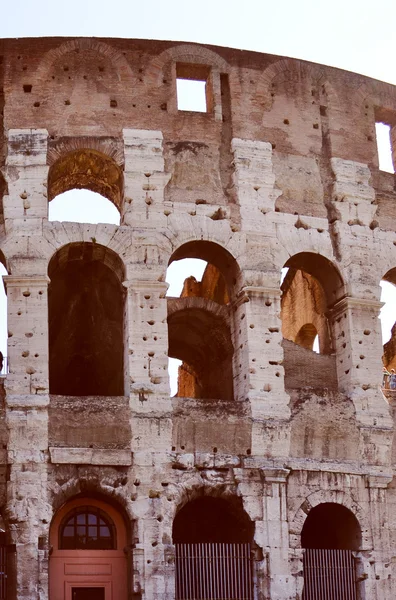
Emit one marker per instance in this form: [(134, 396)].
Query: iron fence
[(329, 575), (213, 571)]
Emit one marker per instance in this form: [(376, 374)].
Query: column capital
[(141, 285), (378, 481), (275, 474), (349, 302), (25, 281)]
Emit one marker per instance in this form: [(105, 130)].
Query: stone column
[(358, 342), (276, 533), (27, 307), (148, 366), (379, 584), (27, 403), (269, 401), (26, 172)]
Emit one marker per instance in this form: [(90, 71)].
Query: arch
[(289, 69), (331, 526), (87, 527), (119, 61), (306, 336), (214, 254), (211, 534), (184, 53), (202, 340), (90, 169), (323, 270), (86, 321), (72, 569), (321, 497), (200, 332), (213, 519)]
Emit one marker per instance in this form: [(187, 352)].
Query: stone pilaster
[(353, 196), (26, 173), (144, 179), (27, 306), (254, 182), (148, 365), (269, 401), (276, 533)]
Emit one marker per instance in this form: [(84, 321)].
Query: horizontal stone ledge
[(91, 456)]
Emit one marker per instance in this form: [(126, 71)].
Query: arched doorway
[(86, 316), (213, 539), (88, 559), (330, 534)]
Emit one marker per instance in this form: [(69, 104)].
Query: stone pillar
[(353, 196), (27, 306), (148, 365), (269, 401), (379, 584), (254, 182), (358, 345), (276, 534), (27, 403), (144, 179), (26, 172)]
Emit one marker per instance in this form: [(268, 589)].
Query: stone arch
[(321, 497), (91, 484), (86, 168), (291, 70), (86, 320), (115, 56), (185, 53), (106, 146), (57, 235)]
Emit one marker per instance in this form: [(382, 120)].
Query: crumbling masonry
[(267, 443)]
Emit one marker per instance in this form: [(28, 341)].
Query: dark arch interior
[(331, 526), (86, 314), (209, 519), (202, 340)]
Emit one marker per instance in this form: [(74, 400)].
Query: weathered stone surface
[(280, 171)]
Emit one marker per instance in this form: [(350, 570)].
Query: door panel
[(88, 593)]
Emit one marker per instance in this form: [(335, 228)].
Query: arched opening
[(213, 539), (87, 169), (306, 336), (86, 304), (311, 286), (388, 326), (330, 534), (89, 560), (83, 206), (200, 321)]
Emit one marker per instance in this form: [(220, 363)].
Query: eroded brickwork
[(280, 171)]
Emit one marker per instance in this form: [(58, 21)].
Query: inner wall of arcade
[(267, 441)]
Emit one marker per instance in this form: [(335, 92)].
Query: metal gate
[(213, 571), (3, 567), (329, 575)]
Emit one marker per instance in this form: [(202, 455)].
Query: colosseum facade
[(273, 464)]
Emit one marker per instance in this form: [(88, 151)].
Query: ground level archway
[(213, 539), (89, 559)]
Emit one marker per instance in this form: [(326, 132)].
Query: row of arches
[(91, 549), (88, 330)]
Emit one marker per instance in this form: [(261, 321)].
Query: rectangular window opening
[(192, 87), (384, 147)]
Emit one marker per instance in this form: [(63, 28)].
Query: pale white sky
[(356, 35)]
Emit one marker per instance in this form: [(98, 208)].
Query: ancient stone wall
[(281, 170)]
